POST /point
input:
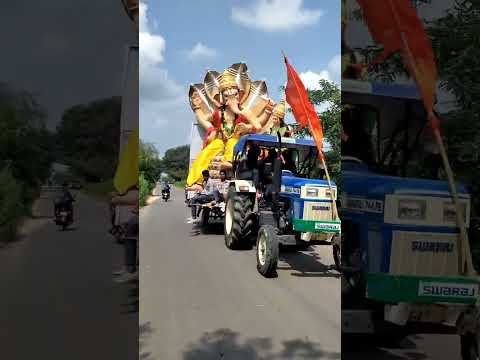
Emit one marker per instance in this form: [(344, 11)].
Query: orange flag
[(302, 108), (395, 25)]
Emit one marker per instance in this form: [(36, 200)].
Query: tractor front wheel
[(469, 347), (237, 224), (267, 251)]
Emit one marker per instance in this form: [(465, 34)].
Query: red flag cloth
[(395, 25), (302, 108)]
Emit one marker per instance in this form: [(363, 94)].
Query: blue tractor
[(278, 197), (402, 256)]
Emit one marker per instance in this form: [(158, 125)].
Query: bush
[(145, 189), (11, 206)]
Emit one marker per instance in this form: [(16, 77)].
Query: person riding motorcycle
[(65, 200), (165, 187), (165, 190)]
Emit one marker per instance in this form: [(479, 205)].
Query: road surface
[(201, 301), (57, 297)]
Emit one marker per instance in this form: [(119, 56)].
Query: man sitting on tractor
[(208, 194), (222, 187)]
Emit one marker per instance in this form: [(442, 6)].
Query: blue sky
[(180, 39)]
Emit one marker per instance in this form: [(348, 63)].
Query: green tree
[(175, 162), (149, 162), (88, 138), (456, 45), (25, 151)]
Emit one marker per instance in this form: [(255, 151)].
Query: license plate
[(328, 227), (63, 213), (427, 313)]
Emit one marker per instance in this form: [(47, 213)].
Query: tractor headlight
[(412, 209), (312, 192), (449, 211)]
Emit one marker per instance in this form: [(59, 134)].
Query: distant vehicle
[(64, 218), (166, 194)]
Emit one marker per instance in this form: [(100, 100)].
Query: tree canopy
[(25, 150), (88, 138), (456, 44), (149, 162)]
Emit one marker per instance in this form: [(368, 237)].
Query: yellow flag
[(127, 170)]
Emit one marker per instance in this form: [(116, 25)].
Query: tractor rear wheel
[(469, 347), (238, 224), (267, 251), (205, 220)]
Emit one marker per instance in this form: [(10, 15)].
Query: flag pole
[(465, 258), (322, 159), (334, 204)]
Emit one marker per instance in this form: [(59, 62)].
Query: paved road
[(57, 298), (201, 301)]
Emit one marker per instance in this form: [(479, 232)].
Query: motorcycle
[(63, 218), (165, 194)]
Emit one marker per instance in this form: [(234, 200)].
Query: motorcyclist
[(65, 200), (165, 187)]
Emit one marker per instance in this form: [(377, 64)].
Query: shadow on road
[(76, 275), (307, 264), (145, 332), (368, 348), (68, 229), (225, 344)]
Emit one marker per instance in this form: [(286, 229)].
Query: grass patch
[(100, 190)]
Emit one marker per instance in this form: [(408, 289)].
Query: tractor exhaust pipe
[(277, 167)]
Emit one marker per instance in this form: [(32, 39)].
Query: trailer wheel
[(236, 224), (205, 220), (267, 251), (469, 347)]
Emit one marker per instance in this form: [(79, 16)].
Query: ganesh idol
[(227, 106)]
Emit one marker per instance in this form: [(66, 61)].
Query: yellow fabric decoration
[(126, 175), (228, 154), (203, 160)]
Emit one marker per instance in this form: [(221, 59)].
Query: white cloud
[(311, 79), (276, 15), (163, 102), (142, 14), (152, 48), (332, 72), (335, 64), (200, 50)]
